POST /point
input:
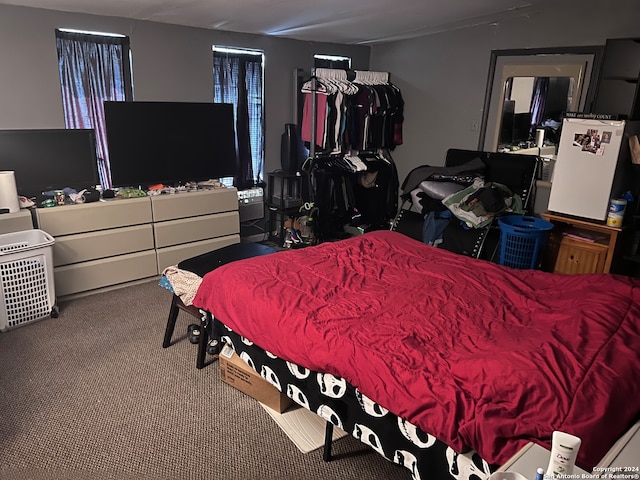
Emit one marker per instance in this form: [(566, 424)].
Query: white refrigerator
[(593, 166)]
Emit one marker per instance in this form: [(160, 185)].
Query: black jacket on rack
[(365, 199)]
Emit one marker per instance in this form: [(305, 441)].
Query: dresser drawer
[(170, 256), (615, 95), (82, 277), (90, 217), (82, 247), (175, 232), (622, 58), (16, 222), (192, 204)]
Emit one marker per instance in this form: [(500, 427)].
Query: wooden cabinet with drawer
[(577, 256), (568, 253)]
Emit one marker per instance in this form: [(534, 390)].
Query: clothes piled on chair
[(426, 186), (478, 204), (430, 196), (423, 216), (446, 196), (365, 112)]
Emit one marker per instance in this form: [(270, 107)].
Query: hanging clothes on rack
[(364, 113), (378, 112), (330, 87)]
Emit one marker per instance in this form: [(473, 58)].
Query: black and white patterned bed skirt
[(343, 405)]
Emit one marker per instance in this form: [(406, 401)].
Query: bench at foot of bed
[(201, 265)]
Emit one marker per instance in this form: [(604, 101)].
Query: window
[(331, 61), (94, 67), (238, 79)]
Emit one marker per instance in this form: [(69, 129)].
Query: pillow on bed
[(440, 190)]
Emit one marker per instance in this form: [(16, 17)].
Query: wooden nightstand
[(568, 253)]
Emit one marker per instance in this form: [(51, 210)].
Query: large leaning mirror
[(529, 91)]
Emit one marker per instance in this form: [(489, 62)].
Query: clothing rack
[(358, 89)]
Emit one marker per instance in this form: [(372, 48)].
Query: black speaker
[(291, 149)]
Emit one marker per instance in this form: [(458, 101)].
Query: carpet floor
[(92, 394)]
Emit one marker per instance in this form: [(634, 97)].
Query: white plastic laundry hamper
[(26, 278)]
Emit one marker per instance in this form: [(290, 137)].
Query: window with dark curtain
[(238, 79), (93, 68), (538, 99)]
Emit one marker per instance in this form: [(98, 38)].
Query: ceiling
[(335, 21)]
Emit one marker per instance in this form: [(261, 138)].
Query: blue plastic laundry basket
[(521, 240)]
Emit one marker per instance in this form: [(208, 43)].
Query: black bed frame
[(424, 455)]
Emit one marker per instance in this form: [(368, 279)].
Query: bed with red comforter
[(480, 356)]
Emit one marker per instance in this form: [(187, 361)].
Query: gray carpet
[(92, 394)]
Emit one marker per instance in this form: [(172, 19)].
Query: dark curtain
[(538, 98), (93, 68), (238, 80)]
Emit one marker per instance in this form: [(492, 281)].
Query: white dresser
[(111, 243)]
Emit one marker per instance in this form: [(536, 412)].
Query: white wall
[(170, 63), (443, 76)]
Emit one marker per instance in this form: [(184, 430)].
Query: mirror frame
[(528, 60)]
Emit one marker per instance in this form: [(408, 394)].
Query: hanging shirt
[(321, 118)]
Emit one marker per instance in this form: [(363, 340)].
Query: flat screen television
[(49, 159), (169, 142)]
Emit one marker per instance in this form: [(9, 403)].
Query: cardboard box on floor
[(235, 372)]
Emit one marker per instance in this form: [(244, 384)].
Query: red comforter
[(479, 355)]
